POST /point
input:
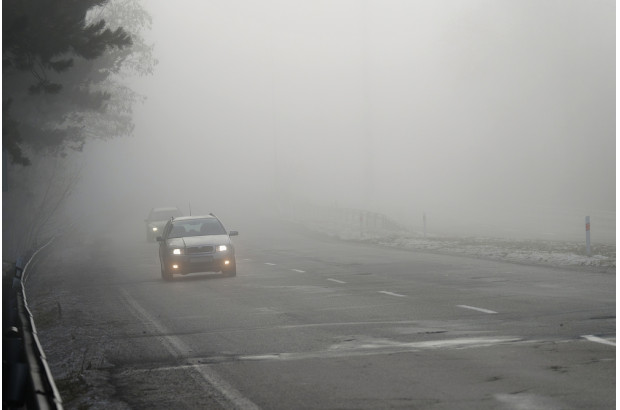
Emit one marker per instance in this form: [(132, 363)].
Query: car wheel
[(165, 274)]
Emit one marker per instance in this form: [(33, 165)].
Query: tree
[(64, 62), (55, 83)]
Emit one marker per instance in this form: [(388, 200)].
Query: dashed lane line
[(298, 270), (336, 280), (477, 309), (270, 264), (385, 292), (597, 339)]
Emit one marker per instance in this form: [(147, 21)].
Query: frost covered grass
[(377, 229), (525, 251)]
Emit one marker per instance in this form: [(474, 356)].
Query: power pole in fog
[(274, 130), (276, 171)]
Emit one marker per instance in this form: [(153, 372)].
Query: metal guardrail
[(27, 379)]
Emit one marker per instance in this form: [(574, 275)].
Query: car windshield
[(163, 214), (196, 227)]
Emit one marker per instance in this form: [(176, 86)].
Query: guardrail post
[(28, 382), (14, 365)]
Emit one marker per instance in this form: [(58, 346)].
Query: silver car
[(157, 219), (191, 244)]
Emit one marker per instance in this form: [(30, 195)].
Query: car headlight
[(177, 251), (222, 248), (154, 229)]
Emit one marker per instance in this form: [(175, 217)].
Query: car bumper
[(215, 262)]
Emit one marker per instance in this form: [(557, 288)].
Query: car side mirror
[(233, 233), (159, 239)]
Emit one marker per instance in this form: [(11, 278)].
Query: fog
[(491, 117)]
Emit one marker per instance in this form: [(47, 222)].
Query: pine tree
[(50, 79)]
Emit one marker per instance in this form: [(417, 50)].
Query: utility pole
[(274, 130)]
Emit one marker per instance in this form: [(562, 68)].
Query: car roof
[(190, 218)]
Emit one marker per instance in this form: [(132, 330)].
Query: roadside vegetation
[(65, 66)]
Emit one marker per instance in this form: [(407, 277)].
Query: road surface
[(315, 323)]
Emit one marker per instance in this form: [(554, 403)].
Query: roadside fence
[(27, 379)]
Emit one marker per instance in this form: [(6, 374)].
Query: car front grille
[(199, 249)]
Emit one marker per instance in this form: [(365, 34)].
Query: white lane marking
[(298, 270), (340, 324), (246, 259), (385, 292), (478, 309), (270, 264), (336, 280), (178, 349), (596, 339), (349, 307), (383, 346)]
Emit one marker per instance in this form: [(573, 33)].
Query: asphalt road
[(315, 323)]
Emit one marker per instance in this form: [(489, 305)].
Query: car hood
[(193, 241)]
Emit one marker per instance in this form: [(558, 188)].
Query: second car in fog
[(196, 244), (157, 219)]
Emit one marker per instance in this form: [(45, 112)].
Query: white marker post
[(588, 236)]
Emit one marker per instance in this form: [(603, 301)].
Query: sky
[(491, 117)]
